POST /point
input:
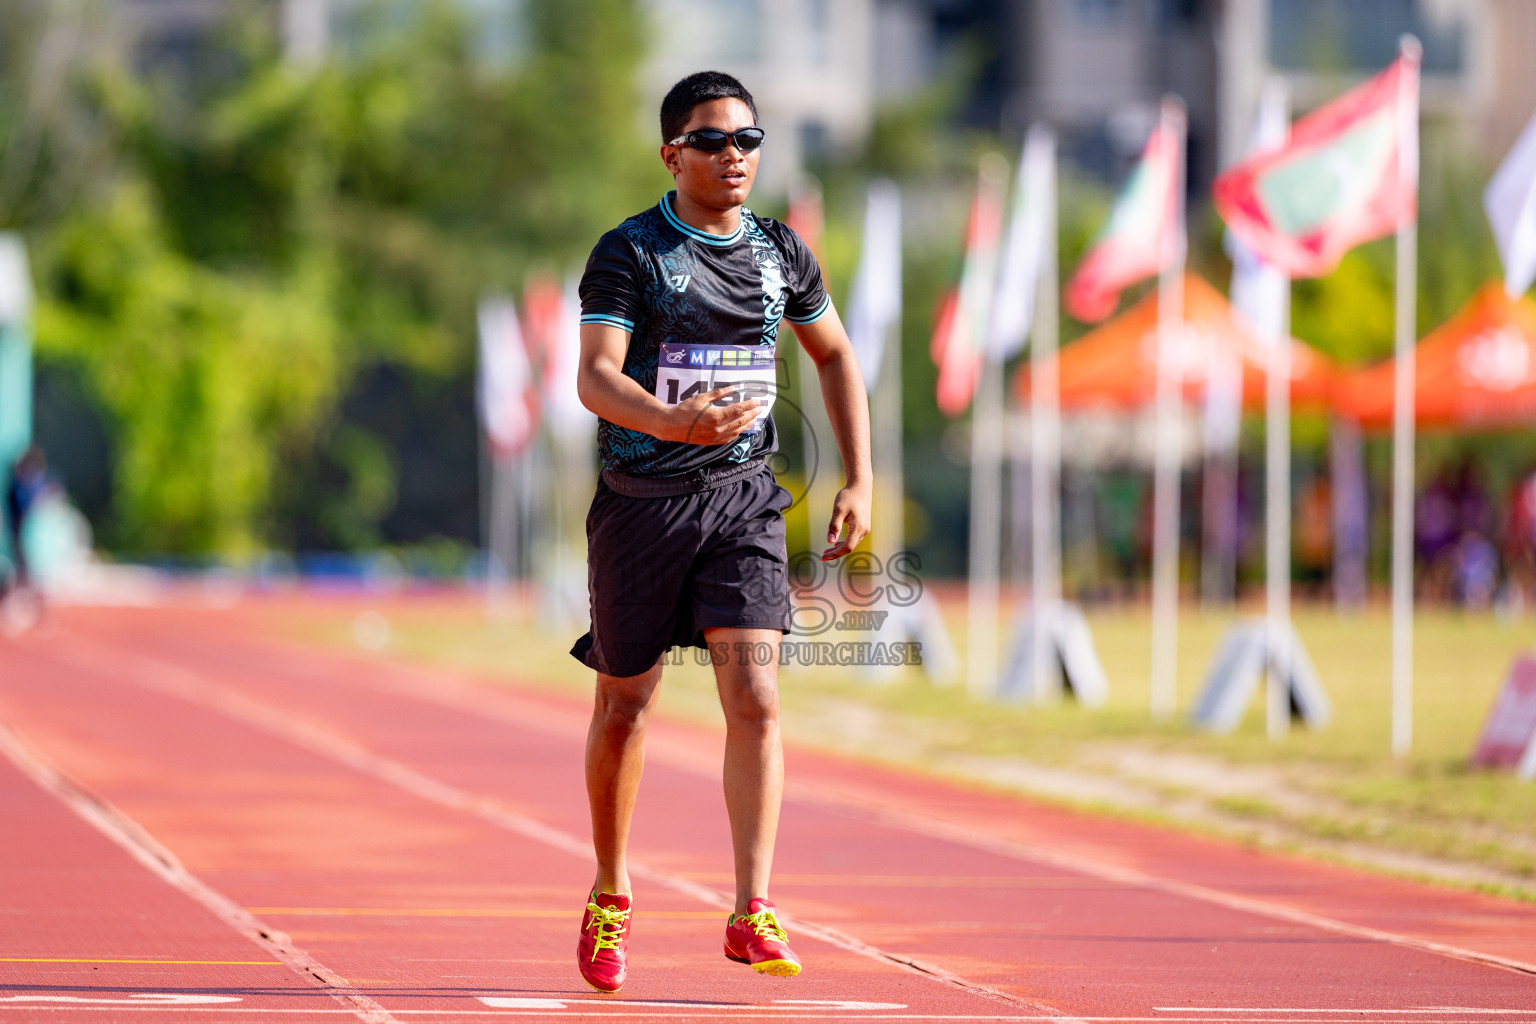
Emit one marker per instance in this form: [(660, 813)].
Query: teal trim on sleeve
[(825, 306), (608, 319)]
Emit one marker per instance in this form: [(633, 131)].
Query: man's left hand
[(851, 512)]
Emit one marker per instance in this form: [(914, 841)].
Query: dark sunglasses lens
[(749, 139), (708, 140)]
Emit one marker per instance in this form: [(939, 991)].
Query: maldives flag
[(1347, 175), (1143, 232), (959, 335)]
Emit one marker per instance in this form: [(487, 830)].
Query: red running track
[(202, 824)]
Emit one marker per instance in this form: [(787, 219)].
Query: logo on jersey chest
[(679, 282)]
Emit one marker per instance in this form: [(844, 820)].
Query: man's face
[(717, 180)]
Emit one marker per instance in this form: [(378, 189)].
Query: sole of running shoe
[(777, 968), (604, 991)]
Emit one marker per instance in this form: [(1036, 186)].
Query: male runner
[(686, 532)]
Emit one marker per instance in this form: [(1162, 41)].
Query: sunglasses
[(713, 140)]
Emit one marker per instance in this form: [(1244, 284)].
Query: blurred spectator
[(1475, 577), (1474, 510), (1520, 539), (1436, 529), (1477, 571), (1454, 506), (30, 482), (1122, 512), (1453, 522), (1314, 535)]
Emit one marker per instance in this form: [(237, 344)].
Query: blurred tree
[(204, 374), (251, 238)]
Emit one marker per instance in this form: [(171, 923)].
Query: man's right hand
[(698, 420)]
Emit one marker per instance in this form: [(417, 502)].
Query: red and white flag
[(1143, 235), (505, 392), (1347, 175), (553, 315), (959, 336)]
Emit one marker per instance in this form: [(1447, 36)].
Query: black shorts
[(662, 569)]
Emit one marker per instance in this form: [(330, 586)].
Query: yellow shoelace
[(766, 925), (609, 923)]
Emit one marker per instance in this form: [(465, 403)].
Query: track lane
[(93, 920), (278, 826), (1290, 887), (1139, 940)]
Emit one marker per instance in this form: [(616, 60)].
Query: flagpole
[(981, 663), (1165, 495), (1277, 465), (486, 474), (886, 443), (1045, 440), (887, 454), (986, 527), (823, 466), (1277, 561), (1403, 411), (503, 531)]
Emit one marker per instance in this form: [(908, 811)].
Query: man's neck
[(713, 220)]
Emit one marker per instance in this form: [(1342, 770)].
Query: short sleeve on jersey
[(807, 300), (610, 286)]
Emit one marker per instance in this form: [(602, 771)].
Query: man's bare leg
[(754, 756), (615, 760)]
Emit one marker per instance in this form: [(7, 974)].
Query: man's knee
[(623, 707), (756, 710)]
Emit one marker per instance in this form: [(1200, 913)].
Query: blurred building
[(169, 35), (1478, 75), (810, 65), (821, 69), (1096, 70)]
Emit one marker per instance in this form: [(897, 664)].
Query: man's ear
[(670, 158)]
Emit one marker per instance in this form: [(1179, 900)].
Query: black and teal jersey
[(666, 282)]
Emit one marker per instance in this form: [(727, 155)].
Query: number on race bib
[(684, 371), (673, 397)]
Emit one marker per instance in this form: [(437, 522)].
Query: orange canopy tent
[(1116, 365), (1478, 369)]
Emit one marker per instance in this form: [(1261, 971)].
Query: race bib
[(686, 370)]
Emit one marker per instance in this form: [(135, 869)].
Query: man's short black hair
[(699, 87)]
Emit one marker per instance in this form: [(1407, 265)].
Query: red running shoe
[(758, 939), (602, 954)]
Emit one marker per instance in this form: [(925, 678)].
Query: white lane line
[(561, 1002), (132, 999), (1437, 1010), (737, 1015), (144, 848), (173, 680), (449, 691)]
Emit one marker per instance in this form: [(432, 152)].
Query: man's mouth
[(733, 177)]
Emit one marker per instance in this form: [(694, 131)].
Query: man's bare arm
[(842, 389), (617, 398)]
